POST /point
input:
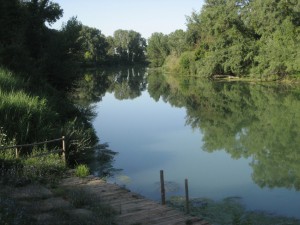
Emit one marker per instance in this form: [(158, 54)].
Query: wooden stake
[(187, 201), (162, 188), (63, 149)]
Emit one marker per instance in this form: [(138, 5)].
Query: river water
[(229, 139)]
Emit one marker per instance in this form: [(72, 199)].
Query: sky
[(143, 16)]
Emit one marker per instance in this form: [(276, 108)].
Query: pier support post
[(162, 188), (64, 149), (187, 200)]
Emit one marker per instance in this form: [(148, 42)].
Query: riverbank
[(33, 112), (87, 200)]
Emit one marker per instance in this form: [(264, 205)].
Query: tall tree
[(94, 45), (193, 29), (158, 49), (129, 46), (136, 47), (277, 24), (71, 35), (38, 13), (227, 43), (12, 48), (177, 42)]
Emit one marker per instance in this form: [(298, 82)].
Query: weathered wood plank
[(132, 208)]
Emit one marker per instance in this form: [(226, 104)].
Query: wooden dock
[(132, 208)]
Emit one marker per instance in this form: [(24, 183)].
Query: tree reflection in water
[(251, 120)]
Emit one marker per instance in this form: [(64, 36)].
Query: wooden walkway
[(132, 208)]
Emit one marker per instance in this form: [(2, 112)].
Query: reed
[(34, 111)]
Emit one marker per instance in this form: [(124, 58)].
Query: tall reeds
[(24, 117)]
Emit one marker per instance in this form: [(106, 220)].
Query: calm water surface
[(229, 140)]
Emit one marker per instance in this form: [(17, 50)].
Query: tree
[(158, 49), (129, 46), (177, 42), (193, 29), (94, 45), (277, 24), (13, 53), (136, 47), (38, 12), (71, 35), (228, 43)]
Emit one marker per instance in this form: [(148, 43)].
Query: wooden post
[(187, 201), (17, 153), (162, 188), (63, 149)]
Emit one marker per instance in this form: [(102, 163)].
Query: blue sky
[(143, 16)]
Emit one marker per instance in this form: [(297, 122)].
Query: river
[(229, 139)]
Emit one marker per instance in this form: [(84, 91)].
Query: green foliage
[(27, 118), (93, 45), (187, 62), (43, 67), (43, 167), (193, 29), (39, 166), (278, 53), (129, 46), (81, 138), (36, 14), (236, 38), (177, 42), (171, 64), (82, 170), (157, 49), (27, 114)]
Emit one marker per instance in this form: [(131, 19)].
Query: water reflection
[(128, 83), (257, 121), (251, 120), (124, 82)]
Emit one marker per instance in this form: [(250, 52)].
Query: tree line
[(29, 46), (239, 38), (40, 67)]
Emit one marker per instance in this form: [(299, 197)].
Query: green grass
[(33, 113), (82, 170), (24, 116), (47, 169), (37, 113), (8, 82)]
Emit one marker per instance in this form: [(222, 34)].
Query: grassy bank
[(37, 112), (33, 111)]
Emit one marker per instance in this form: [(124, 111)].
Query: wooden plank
[(129, 207), (122, 202), (150, 213), (134, 208)]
